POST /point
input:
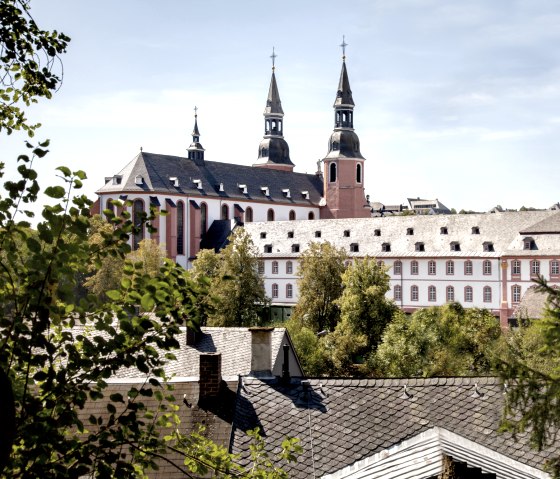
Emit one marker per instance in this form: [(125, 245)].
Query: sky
[(456, 100)]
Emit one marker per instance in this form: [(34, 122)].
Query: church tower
[(274, 152), (343, 173), (196, 152)]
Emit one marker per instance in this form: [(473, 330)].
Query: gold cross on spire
[(273, 56), (343, 45)]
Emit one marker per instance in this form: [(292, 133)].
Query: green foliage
[(320, 285), (439, 341), (236, 295), (29, 57), (309, 348), (533, 378)]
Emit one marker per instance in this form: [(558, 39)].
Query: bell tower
[(274, 151), (343, 167), (196, 152)]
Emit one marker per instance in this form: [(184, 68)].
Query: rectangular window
[(516, 267), (275, 267), (468, 294), (555, 267), (414, 267), (354, 248), (450, 268), (487, 294), (431, 293), (414, 293), (261, 267), (535, 267), (468, 268), (289, 267), (487, 267), (432, 267), (397, 293), (397, 267)]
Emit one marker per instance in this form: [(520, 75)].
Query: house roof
[(156, 171), (500, 229), (342, 421), (236, 349), (532, 304)]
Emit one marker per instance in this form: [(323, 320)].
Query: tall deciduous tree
[(439, 341), (320, 284)]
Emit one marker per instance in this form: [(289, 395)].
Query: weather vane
[(343, 45), (195, 110), (273, 56)]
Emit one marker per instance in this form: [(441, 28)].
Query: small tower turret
[(343, 167), (274, 151), (196, 152)]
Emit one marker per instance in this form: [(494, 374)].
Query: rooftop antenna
[(343, 45), (273, 56)]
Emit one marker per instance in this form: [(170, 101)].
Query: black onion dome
[(344, 143)]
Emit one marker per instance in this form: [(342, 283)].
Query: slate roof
[(532, 304), (235, 346), (156, 170), (341, 421), (550, 225), (500, 229)]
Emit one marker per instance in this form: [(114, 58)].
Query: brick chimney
[(210, 375), (261, 363)]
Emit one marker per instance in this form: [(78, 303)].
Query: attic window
[(268, 248), (529, 243), (221, 187), (419, 246), (243, 188), (305, 194), (263, 235), (174, 181), (443, 231), (354, 248), (346, 233), (377, 232), (139, 180), (488, 246), (475, 230), (290, 234), (317, 234), (410, 231), (198, 184), (386, 247), (455, 246), (117, 179), (286, 192), (265, 190), (295, 248)]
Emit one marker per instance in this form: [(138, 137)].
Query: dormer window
[(265, 190), (419, 246), (455, 246), (295, 248), (386, 247), (268, 248), (198, 184), (317, 234), (139, 180), (290, 234), (475, 230), (377, 232), (174, 181), (243, 188), (263, 235), (286, 192), (305, 195), (117, 179), (354, 248), (488, 246), (529, 243), (410, 231), (443, 231)]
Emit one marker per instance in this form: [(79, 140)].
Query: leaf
[(56, 192), (147, 302), (126, 283), (64, 170), (114, 295)]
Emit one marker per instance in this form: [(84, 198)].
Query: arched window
[(432, 293), (289, 290), (359, 173), (332, 172), (450, 267), (270, 215), (431, 267), (516, 293), (397, 292), (450, 293), (487, 294), (535, 267), (311, 216), (414, 293), (275, 267), (468, 267), (225, 212), (468, 294), (110, 206), (138, 216), (180, 227), (414, 267), (274, 290), (289, 267), (249, 215), (292, 215), (487, 267), (397, 267), (203, 218)]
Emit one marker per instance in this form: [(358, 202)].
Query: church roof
[(344, 422), (344, 93), (156, 170), (273, 103)]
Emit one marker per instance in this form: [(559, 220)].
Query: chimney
[(210, 375), (286, 366), (261, 363), (192, 336)]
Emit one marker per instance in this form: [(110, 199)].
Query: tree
[(439, 341), (236, 294), (533, 390), (30, 67), (320, 285), (363, 304)]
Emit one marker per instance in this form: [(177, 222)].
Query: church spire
[(196, 152), (273, 150), (344, 93)]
